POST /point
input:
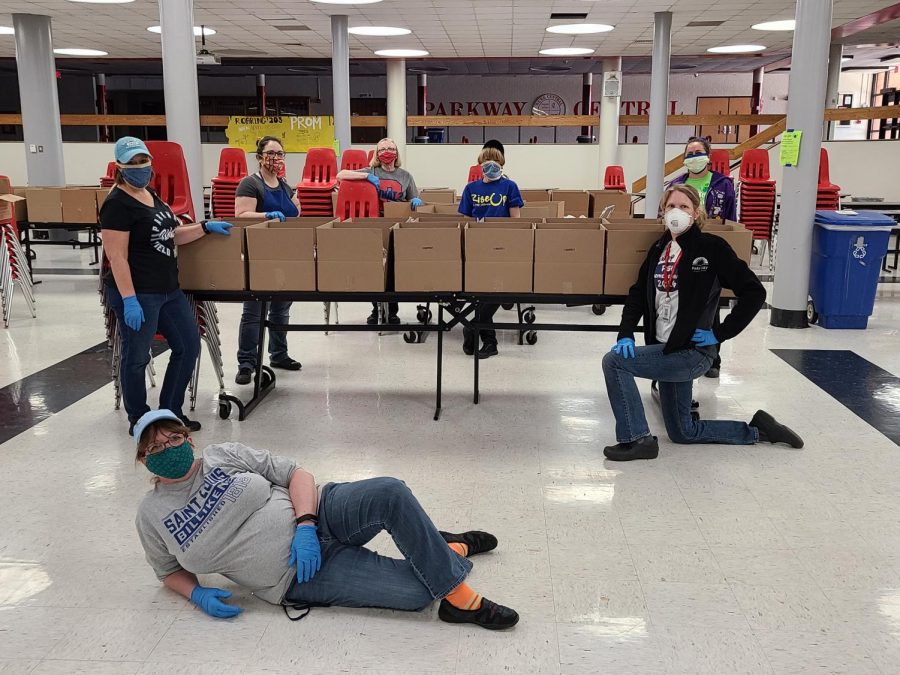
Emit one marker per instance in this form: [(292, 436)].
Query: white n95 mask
[(678, 221)]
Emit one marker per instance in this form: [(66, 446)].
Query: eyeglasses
[(171, 442), (277, 154)]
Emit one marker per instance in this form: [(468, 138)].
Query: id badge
[(665, 311)]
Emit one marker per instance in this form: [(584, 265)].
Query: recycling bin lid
[(849, 218)]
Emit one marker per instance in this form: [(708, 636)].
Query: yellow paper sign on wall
[(297, 133)]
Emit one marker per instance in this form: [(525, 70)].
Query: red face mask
[(387, 156), (273, 164)]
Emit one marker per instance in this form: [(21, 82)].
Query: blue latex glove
[(218, 226), (275, 215), (210, 601), (134, 313), (306, 553), (415, 202), (624, 347), (704, 338), (374, 180)]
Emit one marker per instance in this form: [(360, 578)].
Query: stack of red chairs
[(14, 270), (109, 179), (354, 160), (757, 194), (828, 195), (614, 178), (232, 168), (170, 178), (318, 182), (721, 163), (357, 199), (370, 156), (475, 173)]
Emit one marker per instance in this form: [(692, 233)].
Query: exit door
[(723, 105)]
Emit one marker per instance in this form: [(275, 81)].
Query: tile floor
[(708, 560)]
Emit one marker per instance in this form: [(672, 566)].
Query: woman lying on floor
[(263, 522)]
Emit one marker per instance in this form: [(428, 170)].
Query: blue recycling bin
[(435, 134), (847, 251)]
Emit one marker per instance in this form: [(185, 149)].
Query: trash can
[(847, 251), (435, 134)]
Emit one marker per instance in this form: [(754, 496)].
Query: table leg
[(440, 361)]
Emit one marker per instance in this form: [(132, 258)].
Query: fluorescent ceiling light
[(567, 51), (347, 2), (68, 51), (401, 52), (580, 28), (206, 30), (378, 31), (783, 24), (735, 49), (7, 30)]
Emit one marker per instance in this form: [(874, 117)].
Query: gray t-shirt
[(234, 518), (254, 186), (396, 186)]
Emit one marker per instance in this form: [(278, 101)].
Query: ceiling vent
[(569, 16), (292, 27), (704, 24)]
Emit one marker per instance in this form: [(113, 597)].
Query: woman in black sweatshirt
[(677, 295)]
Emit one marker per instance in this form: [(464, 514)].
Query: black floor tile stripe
[(868, 391)]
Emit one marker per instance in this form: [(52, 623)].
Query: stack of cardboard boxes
[(70, 205)]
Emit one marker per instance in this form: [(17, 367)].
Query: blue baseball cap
[(129, 146), (149, 418)]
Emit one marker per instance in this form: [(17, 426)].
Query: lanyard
[(670, 272)]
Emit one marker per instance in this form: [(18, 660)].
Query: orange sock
[(459, 548), (463, 597)]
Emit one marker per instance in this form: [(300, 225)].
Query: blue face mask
[(171, 462), (138, 177), (491, 170)]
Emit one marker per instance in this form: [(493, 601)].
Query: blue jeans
[(350, 515), (675, 373), (171, 315), (248, 334)]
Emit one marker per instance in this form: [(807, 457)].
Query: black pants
[(484, 313), (393, 308)]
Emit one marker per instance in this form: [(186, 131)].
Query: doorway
[(723, 105)]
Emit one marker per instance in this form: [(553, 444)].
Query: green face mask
[(172, 462)]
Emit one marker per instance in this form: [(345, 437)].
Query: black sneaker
[(643, 448), (192, 425), (286, 363), (373, 318), (712, 373), (488, 349), (490, 615), (772, 431), (393, 319), (468, 342), (477, 542), (244, 375), (131, 424)]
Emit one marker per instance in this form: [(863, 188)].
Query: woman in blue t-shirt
[(494, 196)]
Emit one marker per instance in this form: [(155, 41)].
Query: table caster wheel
[(812, 316), (528, 316), (424, 316), (409, 337), (695, 416), (224, 409), (598, 310), (531, 337)]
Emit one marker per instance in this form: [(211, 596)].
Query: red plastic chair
[(614, 178), (170, 177), (720, 161), (755, 167), (232, 164), (824, 177), (353, 159), (357, 199), (109, 179), (370, 156), (320, 170), (475, 173), (6, 189)]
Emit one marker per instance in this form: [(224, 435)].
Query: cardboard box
[(578, 202), (535, 196), (427, 256), (740, 239), (216, 263), (445, 209), (21, 206), (438, 196), (282, 256), (568, 257), (499, 257), (543, 210), (351, 256), (8, 204), (102, 194), (79, 205), (600, 199), (399, 210), (44, 205), (627, 244)]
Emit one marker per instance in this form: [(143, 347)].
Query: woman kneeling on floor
[(265, 524), (677, 294)]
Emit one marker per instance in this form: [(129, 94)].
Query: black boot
[(643, 448), (488, 349), (468, 342), (193, 425), (771, 431), (477, 542), (244, 375), (490, 615)]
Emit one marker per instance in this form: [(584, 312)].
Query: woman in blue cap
[(266, 524), (140, 233)]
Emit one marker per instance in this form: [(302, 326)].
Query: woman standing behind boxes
[(140, 233), (265, 195), (393, 185), (494, 196)]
